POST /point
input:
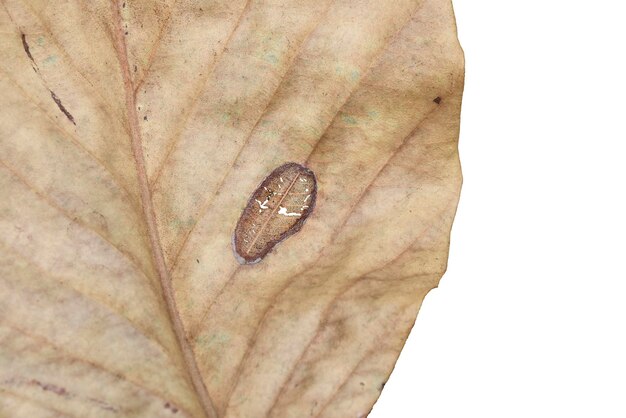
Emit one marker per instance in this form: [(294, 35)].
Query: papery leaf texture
[(132, 136)]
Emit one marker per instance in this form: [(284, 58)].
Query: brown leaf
[(131, 137)]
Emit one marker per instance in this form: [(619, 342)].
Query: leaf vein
[(204, 209), (189, 109), (73, 139), (73, 356), (140, 328), (188, 356), (289, 281), (75, 220), (108, 110), (39, 404)]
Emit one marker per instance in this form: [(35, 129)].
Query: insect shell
[(276, 210)]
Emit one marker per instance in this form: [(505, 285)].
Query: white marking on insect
[(264, 204), (283, 211)]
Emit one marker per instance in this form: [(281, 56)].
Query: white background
[(530, 319)]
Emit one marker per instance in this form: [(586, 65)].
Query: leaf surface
[(132, 135)]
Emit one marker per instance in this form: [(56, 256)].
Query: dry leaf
[(131, 137)]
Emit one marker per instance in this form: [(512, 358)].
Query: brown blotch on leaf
[(437, 100), (276, 210)]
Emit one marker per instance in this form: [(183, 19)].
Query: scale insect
[(276, 210)]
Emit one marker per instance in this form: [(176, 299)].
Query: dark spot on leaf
[(437, 100), (57, 390), (27, 50), (62, 108), (382, 385), (26, 47), (170, 407), (103, 405), (197, 261), (145, 118)]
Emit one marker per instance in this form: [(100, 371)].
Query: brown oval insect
[(276, 210)]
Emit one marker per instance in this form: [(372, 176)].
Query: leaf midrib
[(150, 218)]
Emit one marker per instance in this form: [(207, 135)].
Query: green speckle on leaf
[(349, 119), (373, 114), (232, 113), (50, 59), (271, 58), (215, 339), (183, 223)]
